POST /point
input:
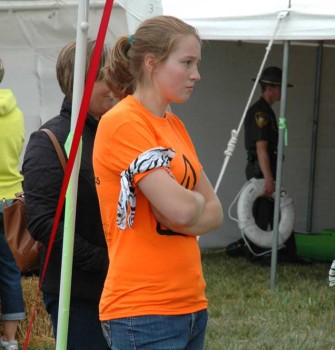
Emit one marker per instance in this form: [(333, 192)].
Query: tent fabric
[(32, 34), (254, 20), (242, 19)]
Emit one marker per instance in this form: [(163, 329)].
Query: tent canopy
[(242, 19)]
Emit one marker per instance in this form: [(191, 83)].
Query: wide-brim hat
[(272, 76), (2, 70)]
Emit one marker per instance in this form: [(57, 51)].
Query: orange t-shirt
[(150, 272)]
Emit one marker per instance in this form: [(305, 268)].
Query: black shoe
[(293, 259), (237, 249)]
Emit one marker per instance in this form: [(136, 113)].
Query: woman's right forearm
[(175, 203), (187, 209), (210, 219)]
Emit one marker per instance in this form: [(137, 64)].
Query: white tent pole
[(71, 195), (234, 134), (280, 156)]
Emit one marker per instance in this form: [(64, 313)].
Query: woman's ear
[(150, 62)]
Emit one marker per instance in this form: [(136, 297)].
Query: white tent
[(242, 19), (31, 36), (235, 39)]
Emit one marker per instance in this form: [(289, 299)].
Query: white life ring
[(253, 189)]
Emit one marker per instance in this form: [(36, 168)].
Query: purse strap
[(57, 147)]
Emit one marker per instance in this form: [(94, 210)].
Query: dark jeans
[(154, 332), (263, 213), (84, 332), (263, 209), (11, 296)]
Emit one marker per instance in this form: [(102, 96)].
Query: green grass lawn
[(245, 313)]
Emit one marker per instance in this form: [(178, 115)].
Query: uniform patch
[(261, 119)]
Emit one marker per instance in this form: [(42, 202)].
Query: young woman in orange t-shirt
[(154, 293)]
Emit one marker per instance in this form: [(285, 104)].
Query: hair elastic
[(130, 40)]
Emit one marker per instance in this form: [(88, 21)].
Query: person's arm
[(178, 204), (264, 163), (193, 212)]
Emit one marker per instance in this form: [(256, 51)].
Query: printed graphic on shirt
[(190, 176), (261, 119), (189, 181)]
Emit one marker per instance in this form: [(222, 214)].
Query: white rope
[(228, 153), (234, 134)]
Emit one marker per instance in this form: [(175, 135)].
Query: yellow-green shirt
[(11, 145)]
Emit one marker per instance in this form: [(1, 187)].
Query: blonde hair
[(158, 36), (65, 65)]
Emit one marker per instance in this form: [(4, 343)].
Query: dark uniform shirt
[(260, 124)]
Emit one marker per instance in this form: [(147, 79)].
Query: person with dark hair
[(154, 195), (11, 145), (261, 140), (44, 174)]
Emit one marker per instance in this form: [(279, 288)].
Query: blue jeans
[(12, 307), (181, 332), (84, 332)]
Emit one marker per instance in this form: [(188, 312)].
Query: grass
[(244, 312)]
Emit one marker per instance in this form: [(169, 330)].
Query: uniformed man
[(261, 140)]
